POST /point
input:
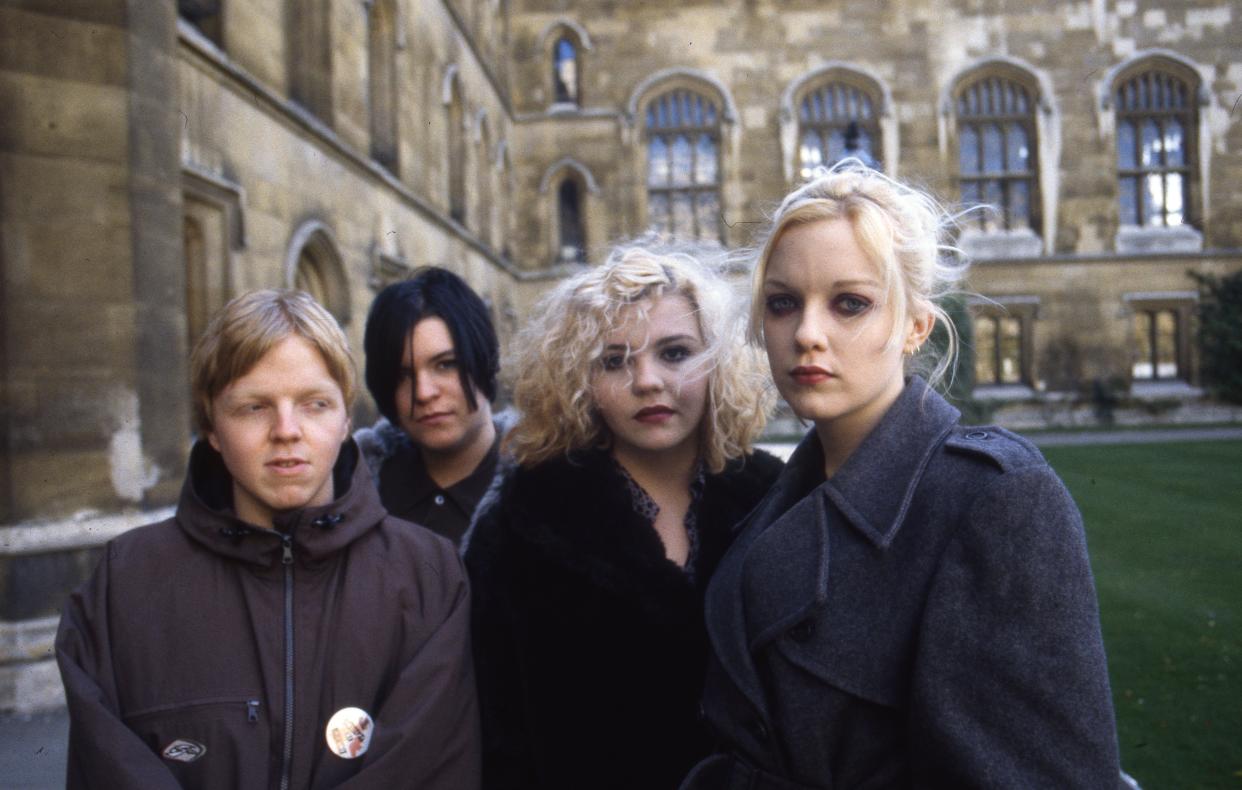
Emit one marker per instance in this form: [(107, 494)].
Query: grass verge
[(1164, 527)]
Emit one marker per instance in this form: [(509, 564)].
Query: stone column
[(94, 419)]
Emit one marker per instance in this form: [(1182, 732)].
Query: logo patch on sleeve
[(184, 751), (349, 733)]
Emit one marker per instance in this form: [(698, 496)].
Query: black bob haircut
[(431, 292)]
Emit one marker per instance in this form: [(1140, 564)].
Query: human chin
[(812, 406), (656, 438)]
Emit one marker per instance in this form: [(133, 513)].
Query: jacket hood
[(205, 512)]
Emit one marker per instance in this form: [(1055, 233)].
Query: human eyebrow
[(774, 283), (682, 338)]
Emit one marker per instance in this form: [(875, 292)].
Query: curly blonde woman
[(911, 606), (639, 403)]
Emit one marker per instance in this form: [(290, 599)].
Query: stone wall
[(754, 55), (151, 168)]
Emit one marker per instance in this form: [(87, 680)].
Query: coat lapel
[(727, 602), (776, 573), (874, 488)]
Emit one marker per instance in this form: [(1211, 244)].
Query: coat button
[(803, 631), (978, 435), (439, 500)]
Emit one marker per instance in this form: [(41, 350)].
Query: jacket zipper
[(252, 710), (286, 559)]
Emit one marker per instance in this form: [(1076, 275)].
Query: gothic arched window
[(571, 229), (565, 82), (683, 165), (1156, 129), (996, 151), (836, 120)]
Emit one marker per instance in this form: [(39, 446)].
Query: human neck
[(841, 436), (661, 472), (665, 475), (453, 466)]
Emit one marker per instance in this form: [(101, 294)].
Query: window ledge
[(1162, 390), (1137, 239), (1001, 244), (1003, 392)]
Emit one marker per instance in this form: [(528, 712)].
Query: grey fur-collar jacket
[(383, 439)]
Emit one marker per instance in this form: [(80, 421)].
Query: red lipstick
[(809, 375), (654, 414)]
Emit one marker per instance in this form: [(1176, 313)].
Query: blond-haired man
[(281, 630)]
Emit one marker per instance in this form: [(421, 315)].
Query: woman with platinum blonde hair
[(639, 403), (911, 605)]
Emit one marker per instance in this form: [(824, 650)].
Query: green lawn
[(1164, 525)]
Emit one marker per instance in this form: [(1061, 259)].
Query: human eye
[(676, 353), (447, 364), (612, 361), (852, 304), (780, 304)]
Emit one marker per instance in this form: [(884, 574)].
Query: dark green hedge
[(1220, 334)]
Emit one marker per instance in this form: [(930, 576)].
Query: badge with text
[(184, 751), (349, 732)]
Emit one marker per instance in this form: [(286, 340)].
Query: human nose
[(426, 388), (647, 376), (811, 333), (287, 426)]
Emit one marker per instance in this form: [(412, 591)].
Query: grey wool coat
[(926, 618)]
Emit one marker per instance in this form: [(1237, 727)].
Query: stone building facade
[(157, 158)]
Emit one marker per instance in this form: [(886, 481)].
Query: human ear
[(920, 328)]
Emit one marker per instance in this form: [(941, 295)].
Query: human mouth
[(809, 375), (654, 414), (287, 466), (434, 417)]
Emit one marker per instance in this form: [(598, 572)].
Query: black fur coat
[(589, 643)]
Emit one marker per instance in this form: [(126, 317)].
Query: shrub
[(958, 384), (1220, 334)]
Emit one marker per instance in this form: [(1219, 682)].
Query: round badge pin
[(349, 732)]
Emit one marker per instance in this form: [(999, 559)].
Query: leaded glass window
[(996, 153), (836, 120), (998, 350), (683, 166), (1156, 341), (1155, 114)]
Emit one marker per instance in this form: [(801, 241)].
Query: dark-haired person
[(432, 359)]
